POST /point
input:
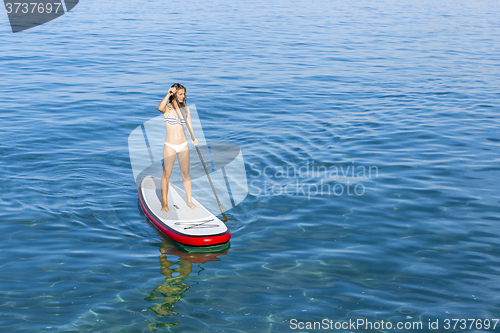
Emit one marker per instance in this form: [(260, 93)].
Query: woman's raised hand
[(172, 91)]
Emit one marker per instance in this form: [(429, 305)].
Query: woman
[(175, 142)]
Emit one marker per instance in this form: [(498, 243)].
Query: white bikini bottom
[(177, 148)]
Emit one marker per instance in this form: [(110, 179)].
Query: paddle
[(190, 131)]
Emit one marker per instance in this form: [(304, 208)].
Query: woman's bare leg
[(168, 165), (186, 178)]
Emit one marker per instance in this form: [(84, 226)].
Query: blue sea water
[(369, 131)]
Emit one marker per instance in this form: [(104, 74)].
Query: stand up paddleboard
[(195, 227)]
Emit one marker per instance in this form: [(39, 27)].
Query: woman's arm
[(162, 106)]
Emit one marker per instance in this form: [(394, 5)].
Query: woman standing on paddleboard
[(175, 141)]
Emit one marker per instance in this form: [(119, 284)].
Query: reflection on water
[(176, 264)]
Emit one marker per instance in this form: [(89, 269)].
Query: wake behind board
[(195, 227)]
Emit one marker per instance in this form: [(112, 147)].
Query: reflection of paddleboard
[(195, 227)]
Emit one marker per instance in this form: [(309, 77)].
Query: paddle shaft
[(191, 134)]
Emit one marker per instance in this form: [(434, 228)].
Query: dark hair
[(178, 86)]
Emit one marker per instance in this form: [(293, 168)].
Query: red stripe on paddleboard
[(193, 241)]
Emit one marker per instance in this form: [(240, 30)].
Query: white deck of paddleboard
[(194, 222)]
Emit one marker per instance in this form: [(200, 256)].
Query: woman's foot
[(164, 208), (192, 205)]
